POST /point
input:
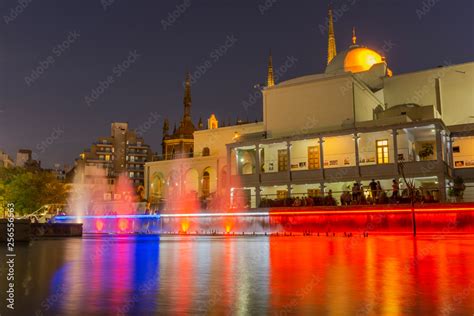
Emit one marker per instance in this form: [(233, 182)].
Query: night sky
[(44, 86)]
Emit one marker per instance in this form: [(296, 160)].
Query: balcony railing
[(179, 156)]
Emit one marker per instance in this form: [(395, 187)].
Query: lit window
[(382, 151)]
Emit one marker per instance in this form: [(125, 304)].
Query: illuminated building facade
[(353, 123), (123, 152)]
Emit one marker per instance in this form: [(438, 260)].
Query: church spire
[(166, 127), (187, 97), (354, 37), (270, 79), (200, 124), (331, 37)]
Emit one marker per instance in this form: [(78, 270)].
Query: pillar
[(439, 145), (395, 149), (439, 160), (258, 167), (356, 148), (444, 144), (449, 154), (321, 155)]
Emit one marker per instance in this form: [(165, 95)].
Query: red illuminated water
[(379, 275)]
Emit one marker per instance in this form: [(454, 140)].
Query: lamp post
[(411, 192)]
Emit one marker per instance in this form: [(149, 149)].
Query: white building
[(322, 132)]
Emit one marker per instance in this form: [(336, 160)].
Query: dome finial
[(354, 37)]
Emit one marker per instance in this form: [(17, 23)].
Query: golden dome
[(355, 59), (361, 59)]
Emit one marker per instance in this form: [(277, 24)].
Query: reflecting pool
[(146, 275)]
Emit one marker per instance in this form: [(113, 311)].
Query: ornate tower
[(180, 144), (270, 79), (331, 37)]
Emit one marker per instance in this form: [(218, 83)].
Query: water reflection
[(244, 275)]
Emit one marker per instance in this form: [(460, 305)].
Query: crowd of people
[(358, 195)]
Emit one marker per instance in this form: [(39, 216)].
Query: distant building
[(121, 153), (5, 160), (22, 157), (59, 171)]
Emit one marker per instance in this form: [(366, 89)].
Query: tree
[(29, 189), (426, 151)]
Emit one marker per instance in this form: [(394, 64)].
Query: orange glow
[(229, 223), (362, 211), (99, 225), (361, 59), (184, 226), (340, 212), (123, 224)]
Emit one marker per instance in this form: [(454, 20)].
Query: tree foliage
[(30, 189)]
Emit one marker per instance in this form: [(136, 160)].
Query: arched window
[(206, 151)]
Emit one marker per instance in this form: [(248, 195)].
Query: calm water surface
[(379, 275)]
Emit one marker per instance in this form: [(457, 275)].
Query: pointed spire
[(166, 127), (354, 37), (270, 79), (331, 37), (187, 96), (200, 125), (174, 129)]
